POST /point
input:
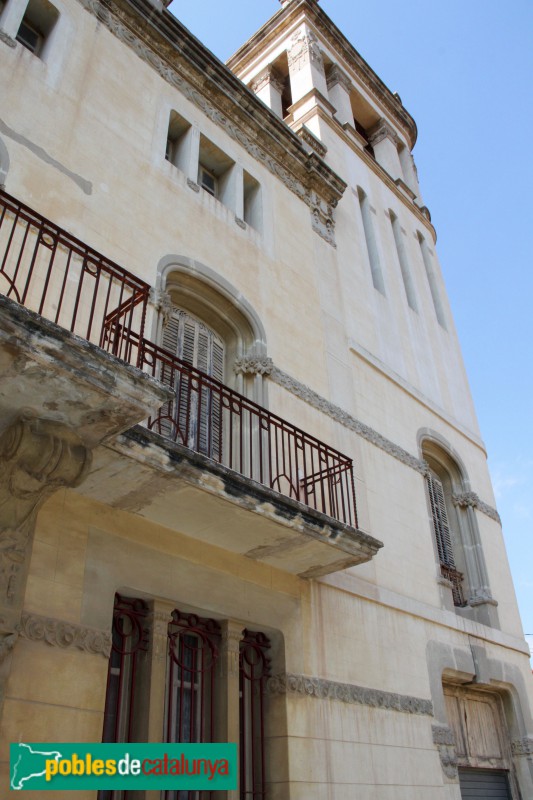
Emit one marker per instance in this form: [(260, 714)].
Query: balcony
[(223, 447)]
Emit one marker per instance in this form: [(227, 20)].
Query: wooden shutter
[(441, 525), (197, 412)]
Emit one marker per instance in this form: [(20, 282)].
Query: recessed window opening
[(282, 68), (37, 25), (432, 281), (178, 140), (364, 119), (370, 239), (251, 201), (215, 171), (404, 262)]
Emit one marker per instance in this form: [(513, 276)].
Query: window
[(210, 168), (36, 26), (432, 280), (404, 262), (370, 239), (443, 536), (456, 535), (194, 417), (196, 687)]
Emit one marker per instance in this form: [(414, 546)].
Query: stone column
[(37, 457), (384, 140), (268, 86), (153, 709), (339, 88), (227, 708)]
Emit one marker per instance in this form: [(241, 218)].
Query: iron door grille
[(484, 784)]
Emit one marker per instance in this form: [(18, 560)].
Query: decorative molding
[(304, 48), (465, 499), (312, 141), (442, 734), (344, 418), (522, 747), (481, 598), (240, 222), (337, 75), (253, 365), (7, 643), (444, 738), (382, 130), (338, 414), (332, 184), (322, 689), (6, 39), (193, 185), (58, 633)]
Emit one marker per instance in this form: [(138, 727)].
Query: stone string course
[(322, 689), (370, 435)]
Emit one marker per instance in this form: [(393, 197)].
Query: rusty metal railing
[(49, 271), (210, 418)]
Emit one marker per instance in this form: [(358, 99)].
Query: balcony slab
[(142, 473), (49, 373)]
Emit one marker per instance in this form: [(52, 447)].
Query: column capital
[(336, 76), (304, 47), (383, 130), (270, 75)]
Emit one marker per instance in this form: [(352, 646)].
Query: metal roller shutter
[(484, 784)]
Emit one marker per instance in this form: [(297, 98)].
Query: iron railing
[(456, 579), (210, 418), (49, 271)]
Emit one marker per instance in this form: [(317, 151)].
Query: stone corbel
[(37, 457)]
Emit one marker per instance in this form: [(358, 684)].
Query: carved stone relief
[(304, 48), (347, 693)]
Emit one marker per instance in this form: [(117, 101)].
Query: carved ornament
[(304, 48), (471, 499), (383, 131), (161, 301), (322, 689), (253, 365), (270, 75), (337, 75), (58, 633), (37, 457), (522, 747)]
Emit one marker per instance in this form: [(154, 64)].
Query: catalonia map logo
[(68, 766)]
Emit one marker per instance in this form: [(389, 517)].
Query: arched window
[(456, 535)]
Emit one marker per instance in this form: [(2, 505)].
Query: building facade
[(244, 496)]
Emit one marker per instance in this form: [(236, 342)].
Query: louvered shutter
[(440, 522), (197, 409)]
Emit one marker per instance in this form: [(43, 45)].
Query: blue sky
[(463, 70)]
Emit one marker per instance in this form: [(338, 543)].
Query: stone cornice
[(322, 689), (296, 9), (167, 47)]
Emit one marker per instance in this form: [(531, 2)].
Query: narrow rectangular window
[(432, 281), (370, 239), (404, 262)]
